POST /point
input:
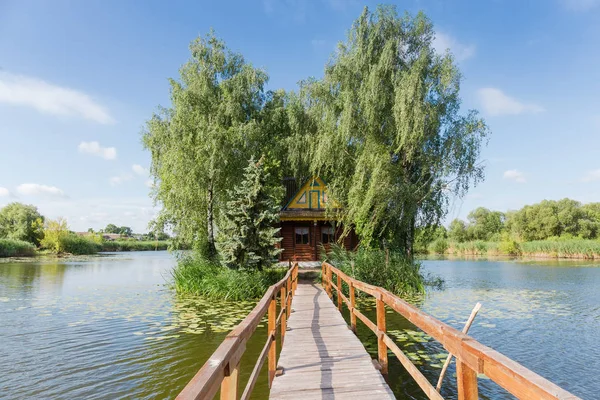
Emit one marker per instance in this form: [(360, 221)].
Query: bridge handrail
[(221, 370), (472, 357)]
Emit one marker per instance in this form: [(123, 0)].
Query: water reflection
[(110, 327)]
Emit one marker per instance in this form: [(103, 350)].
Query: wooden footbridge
[(321, 358)]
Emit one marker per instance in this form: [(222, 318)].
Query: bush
[(400, 275), (134, 245), (196, 275), (438, 246), (509, 247), (16, 248), (79, 245)]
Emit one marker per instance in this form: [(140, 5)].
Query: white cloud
[(139, 170), (495, 102), (50, 99), (461, 51), (591, 176), (4, 192), (580, 5), (117, 180), (150, 183), (108, 153), (35, 189), (514, 175)]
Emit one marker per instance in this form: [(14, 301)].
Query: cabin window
[(302, 199), (302, 235), (327, 234)]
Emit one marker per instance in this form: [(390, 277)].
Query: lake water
[(109, 326)]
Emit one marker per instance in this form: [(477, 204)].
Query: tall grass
[(16, 248), (571, 248), (555, 248), (393, 272), (196, 275), (134, 245), (80, 245)]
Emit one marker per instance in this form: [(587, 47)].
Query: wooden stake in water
[(449, 359)]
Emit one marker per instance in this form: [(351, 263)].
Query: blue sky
[(79, 78)]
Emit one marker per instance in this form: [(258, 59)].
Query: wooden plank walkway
[(321, 357)]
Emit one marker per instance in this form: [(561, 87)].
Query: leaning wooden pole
[(465, 330)]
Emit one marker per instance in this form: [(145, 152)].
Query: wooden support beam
[(339, 292), (381, 330), (283, 305), (352, 307), (229, 385), (466, 380), (273, 346)]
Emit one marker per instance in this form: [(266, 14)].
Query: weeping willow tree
[(390, 138), (201, 143)]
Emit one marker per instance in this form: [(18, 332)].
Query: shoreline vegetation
[(77, 247), (24, 232), (549, 229), (581, 249)]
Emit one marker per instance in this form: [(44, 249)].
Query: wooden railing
[(471, 356), (222, 368)]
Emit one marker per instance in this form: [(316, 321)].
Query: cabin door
[(304, 247)]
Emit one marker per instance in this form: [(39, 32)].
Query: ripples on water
[(109, 327)]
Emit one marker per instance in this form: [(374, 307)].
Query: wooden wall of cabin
[(309, 251)]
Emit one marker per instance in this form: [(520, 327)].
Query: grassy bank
[(559, 248), (196, 275), (135, 245), (16, 248)]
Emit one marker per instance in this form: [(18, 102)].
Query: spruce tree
[(249, 234)]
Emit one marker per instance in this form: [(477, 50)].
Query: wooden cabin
[(304, 226)]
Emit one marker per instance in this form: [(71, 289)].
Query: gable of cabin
[(311, 196)]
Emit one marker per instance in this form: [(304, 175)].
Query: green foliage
[(16, 248), (555, 218), (394, 271), (248, 236), (79, 245), (134, 245), (458, 231), (21, 222), (55, 233), (509, 247), (483, 224), (121, 230), (438, 246), (387, 134), (199, 276), (219, 117), (565, 248)]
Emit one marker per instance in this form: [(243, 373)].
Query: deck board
[(321, 358)]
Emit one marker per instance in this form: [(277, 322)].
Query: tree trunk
[(211, 248)]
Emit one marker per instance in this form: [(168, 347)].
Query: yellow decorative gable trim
[(311, 196)]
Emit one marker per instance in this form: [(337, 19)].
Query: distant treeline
[(25, 232), (563, 228)]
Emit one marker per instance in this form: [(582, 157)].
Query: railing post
[(289, 295), (353, 306), (323, 275), (283, 305), (273, 347), (295, 280), (339, 292), (229, 385), (466, 380), (329, 282), (381, 329)]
